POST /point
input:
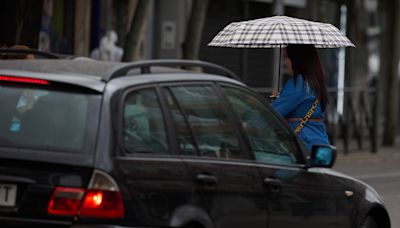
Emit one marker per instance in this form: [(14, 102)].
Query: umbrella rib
[(270, 33)]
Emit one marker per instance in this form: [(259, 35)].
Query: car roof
[(95, 74), (98, 70)]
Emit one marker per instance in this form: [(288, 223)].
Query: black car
[(86, 143)]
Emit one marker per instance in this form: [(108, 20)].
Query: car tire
[(369, 222)]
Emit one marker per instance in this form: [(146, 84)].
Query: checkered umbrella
[(279, 31)]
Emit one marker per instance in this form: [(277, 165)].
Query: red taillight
[(104, 204), (24, 80), (65, 201), (102, 199)]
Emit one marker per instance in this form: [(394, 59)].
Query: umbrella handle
[(279, 66)]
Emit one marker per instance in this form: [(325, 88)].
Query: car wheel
[(369, 222)]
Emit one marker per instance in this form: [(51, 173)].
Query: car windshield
[(47, 118)]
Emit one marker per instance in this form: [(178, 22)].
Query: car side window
[(202, 123), (270, 141), (143, 123), (185, 139)]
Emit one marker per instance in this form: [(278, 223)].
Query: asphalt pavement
[(381, 170)]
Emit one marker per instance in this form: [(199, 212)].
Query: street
[(381, 171)]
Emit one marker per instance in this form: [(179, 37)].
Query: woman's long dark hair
[(305, 61)]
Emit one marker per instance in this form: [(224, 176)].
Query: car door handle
[(273, 184), (206, 179)]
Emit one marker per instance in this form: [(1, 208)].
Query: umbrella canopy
[(279, 31)]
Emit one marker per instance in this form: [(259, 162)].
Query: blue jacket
[(294, 101)]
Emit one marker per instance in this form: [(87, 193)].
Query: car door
[(154, 180), (226, 180), (297, 196)]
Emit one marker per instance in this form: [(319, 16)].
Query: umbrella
[(279, 31)]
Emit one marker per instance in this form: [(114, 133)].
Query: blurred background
[(362, 115), (363, 81)]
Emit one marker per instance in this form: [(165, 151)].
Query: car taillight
[(101, 199), (104, 204), (65, 201)]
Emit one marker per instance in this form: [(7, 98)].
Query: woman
[(305, 87)]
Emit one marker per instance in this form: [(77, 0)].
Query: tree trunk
[(357, 59), (194, 29), (119, 7), (82, 27), (392, 31), (136, 30)]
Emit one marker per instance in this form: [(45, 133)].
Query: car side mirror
[(323, 156)]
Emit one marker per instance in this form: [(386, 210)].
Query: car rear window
[(47, 118)]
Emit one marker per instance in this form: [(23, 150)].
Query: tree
[(390, 55), (82, 27), (357, 59), (136, 29), (194, 29)]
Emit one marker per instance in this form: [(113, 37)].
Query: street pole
[(278, 8)]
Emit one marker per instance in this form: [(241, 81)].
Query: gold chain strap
[(304, 120)]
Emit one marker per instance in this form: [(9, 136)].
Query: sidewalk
[(356, 156), (359, 163), (384, 154)]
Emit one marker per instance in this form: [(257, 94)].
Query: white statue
[(108, 50)]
